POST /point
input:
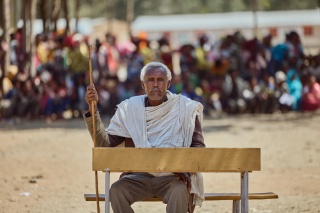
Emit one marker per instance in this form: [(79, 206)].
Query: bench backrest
[(176, 159)]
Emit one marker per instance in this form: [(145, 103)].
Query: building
[(186, 28)]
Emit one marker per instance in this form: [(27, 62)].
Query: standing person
[(135, 61), (157, 119), (112, 55), (201, 55)]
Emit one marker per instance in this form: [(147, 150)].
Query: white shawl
[(170, 124)]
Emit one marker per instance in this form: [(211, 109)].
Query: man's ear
[(169, 84), (142, 85)]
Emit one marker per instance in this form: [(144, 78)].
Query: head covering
[(12, 71), (280, 76)]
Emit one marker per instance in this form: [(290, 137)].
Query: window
[(308, 30), (273, 31)]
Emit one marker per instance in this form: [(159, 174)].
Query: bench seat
[(193, 160), (208, 196)]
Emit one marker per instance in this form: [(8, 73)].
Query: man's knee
[(117, 190), (120, 198), (178, 191), (177, 198)]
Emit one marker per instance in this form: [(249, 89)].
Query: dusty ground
[(47, 168)]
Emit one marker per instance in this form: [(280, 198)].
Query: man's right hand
[(91, 95), (185, 177)]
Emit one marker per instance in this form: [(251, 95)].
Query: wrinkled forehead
[(156, 70)]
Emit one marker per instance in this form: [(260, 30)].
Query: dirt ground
[(47, 167)]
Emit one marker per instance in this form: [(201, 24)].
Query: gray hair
[(155, 64)]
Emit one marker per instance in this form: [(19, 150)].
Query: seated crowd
[(231, 75)]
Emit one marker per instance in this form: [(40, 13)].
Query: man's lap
[(141, 186)]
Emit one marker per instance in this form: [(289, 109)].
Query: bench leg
[(107, 191), (236, 206), (244, 192)]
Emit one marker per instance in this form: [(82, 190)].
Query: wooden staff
[(89, 48)]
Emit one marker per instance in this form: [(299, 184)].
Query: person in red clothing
[(311, 94)]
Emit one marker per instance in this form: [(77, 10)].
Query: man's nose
[(155, 84)]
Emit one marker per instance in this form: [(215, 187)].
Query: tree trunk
[(25, 29), (33, 7), (130, 14), (43, 13), (6, 33), (55, 13), (77, 10), (255, 18), (1, 52), (110, 14), (66, 15), (13, 15), (5, 5), (18, 9), (1, 15)]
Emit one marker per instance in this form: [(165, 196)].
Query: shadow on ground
[(78, 123)]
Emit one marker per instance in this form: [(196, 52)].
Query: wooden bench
[(240, 160)]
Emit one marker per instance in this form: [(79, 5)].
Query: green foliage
[(98, 8), (289, 4)]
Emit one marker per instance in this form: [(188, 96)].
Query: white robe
[(170, 124)]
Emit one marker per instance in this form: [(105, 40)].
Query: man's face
[(155, 85)]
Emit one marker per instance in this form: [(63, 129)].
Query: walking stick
[(89, 48)]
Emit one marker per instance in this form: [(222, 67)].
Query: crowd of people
[(230, 75)]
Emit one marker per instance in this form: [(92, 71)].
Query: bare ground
[(47, 167)]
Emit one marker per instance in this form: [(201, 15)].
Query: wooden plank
[(237, 196), (208, 196), (176, 159)]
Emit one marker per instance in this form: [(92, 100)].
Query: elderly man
[(157, 119)]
